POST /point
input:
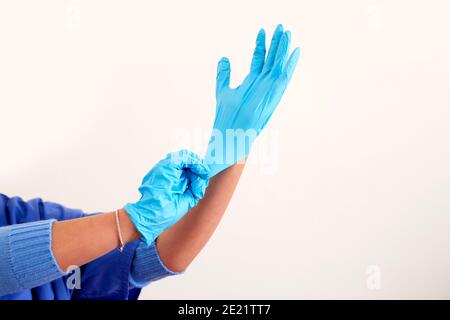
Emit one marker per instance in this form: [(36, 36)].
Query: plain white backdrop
[(356, 202)]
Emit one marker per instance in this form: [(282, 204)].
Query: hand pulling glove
[(168, 191)]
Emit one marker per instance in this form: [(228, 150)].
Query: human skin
[(181, 243), (79, 241), (82, 240)]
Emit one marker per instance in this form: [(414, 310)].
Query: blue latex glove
[(243, 112), (169, 190)]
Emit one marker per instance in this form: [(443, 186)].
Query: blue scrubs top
[(106, 278)]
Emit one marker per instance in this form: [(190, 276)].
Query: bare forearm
[(181, 243), (79, 241)]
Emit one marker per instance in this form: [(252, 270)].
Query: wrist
[(128, 229)]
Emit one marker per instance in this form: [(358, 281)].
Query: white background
[(93, 93)]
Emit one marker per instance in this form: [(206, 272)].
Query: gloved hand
[(169, 190), (243, 112)]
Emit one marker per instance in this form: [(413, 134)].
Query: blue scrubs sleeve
[(103, 278)]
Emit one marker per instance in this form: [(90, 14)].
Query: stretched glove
[(243, 112), (168, 191)]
